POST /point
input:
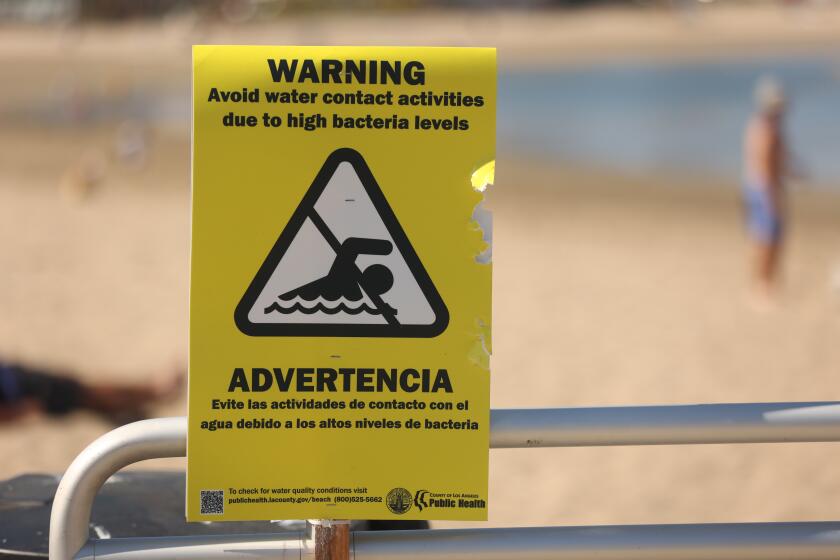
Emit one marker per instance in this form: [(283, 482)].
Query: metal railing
[(563, 427)]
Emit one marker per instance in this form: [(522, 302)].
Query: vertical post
[(332, 540)]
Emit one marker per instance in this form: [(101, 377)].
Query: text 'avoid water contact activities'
[(342, 266)]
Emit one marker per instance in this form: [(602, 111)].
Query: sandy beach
[(609, 290)]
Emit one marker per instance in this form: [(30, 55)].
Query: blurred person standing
[(765, 168)]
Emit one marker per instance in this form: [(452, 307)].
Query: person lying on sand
[(25, 390)]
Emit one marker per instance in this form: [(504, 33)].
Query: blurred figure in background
[(763, 190), (25, 390)]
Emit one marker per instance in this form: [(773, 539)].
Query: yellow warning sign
[(341, 282)]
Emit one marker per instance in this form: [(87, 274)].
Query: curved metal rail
[(510, 428)]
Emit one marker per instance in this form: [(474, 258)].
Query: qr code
[(212, 502)]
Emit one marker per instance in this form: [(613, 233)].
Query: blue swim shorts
[(763, 221)]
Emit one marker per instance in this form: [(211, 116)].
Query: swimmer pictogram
[(342, 266)]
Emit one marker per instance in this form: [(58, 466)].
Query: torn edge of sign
[(482, 219), (480, 351), (480, 180)]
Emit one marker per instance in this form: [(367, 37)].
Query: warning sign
[(340, 303), (343, 266)]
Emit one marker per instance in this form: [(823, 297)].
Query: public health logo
[(420, 499), (398, 500)]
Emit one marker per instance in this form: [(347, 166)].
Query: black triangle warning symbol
[(342, 266)]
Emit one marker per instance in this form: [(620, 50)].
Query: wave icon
[(320, 304)]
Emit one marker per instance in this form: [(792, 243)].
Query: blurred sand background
[(609, 289)]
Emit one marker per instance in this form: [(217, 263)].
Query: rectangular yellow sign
[(341, 282)]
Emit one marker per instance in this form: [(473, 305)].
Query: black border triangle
[(274, 257)]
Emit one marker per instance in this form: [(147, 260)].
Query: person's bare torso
[(764, 154)]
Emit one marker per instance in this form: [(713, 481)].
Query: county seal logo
[(398, 501)]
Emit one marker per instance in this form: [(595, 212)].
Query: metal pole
[(769, 541), (665, 425), (748, 541), (332, 540), (279, 546)]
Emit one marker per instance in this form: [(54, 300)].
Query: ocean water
[(649, 116), (629, 116)]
